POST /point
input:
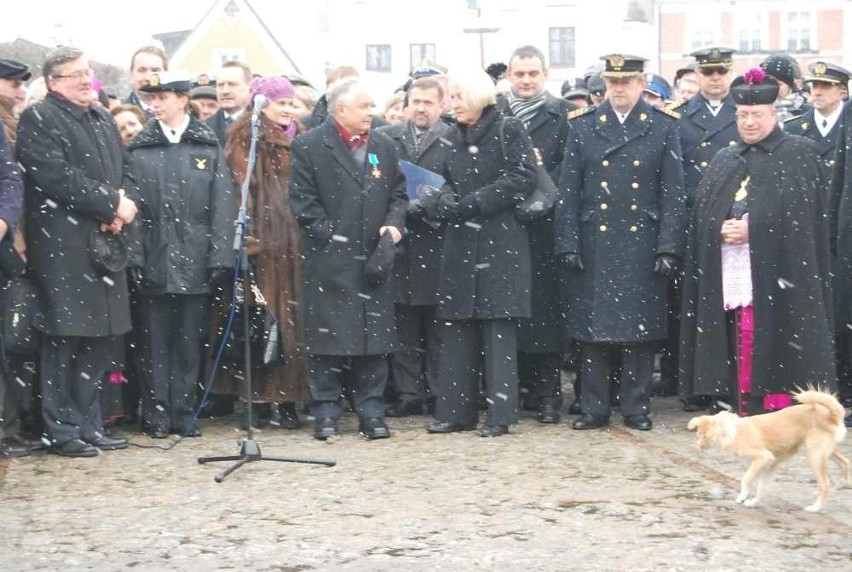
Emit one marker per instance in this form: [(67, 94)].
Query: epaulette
[(792, 118), (668, 111), (675, 105), (580, 112)]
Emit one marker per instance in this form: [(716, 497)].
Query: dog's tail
[(836, 412)]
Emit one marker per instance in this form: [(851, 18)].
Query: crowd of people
[(706, 224)]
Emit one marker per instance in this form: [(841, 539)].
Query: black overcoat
[(418, 260), (788, 242), (805, 125), (545, 330), (702, 135), (74, 165), (340, 208), (485, 265), (621, 204), (186, 224), (840, 221)]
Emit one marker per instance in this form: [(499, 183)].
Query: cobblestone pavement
[(541, 498)]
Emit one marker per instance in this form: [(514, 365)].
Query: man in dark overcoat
[(347, 192), (773, 178), (541, 338), (619, 235), (707, 124), (422, 140), (77, 184)]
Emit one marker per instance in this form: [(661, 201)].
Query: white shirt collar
[(173, 134), (830, 120)]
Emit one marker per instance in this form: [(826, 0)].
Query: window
[(751, 33), (562, 47), (223, 55), (420, 52), (379, 57), (702, 28), (798, 31)]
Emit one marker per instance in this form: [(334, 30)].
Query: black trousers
[(637, 362), (72, 370), (669, 357), (368, 373), (174, 330), (539, 376), (415, 361), (469, 348)]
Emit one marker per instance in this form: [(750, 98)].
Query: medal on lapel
[(374, 163)]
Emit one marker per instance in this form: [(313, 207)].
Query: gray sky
[(129, 24)]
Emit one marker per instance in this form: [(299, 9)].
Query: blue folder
[(415, 176)]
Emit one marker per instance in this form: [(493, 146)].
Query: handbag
[(265, 340), (541, 200), (18, 312)]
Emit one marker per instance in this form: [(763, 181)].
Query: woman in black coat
[(485, 266), (187, 236)]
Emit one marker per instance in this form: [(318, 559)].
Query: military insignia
[(742, 192), (580, 112), (200, 163), (643, 117), (602, 119), (805, 126), (616, 62), (715, 54), (374, 163), (154, 80), (820, 68), (668, 111), (203, 79)]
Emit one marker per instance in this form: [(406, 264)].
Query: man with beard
[(541, 338), (756, 289), (421, 140)]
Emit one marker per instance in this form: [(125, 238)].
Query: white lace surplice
[(736, 275)]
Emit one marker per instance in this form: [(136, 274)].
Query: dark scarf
[(525, 109)]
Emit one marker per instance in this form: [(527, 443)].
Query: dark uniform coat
[(340, 207), (74, 164), (545, 330), (805, 125), (702, 135), (485, 268), (188, 209), (418, 260), (621, 204), (840, 220), (788, 241)]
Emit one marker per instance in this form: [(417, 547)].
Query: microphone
[(258, 103)]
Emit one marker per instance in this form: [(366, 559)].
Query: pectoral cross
[(742, 192)]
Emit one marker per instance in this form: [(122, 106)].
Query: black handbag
[(541, 200), (265, 341), (18, 312)]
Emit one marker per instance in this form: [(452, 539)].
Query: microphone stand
[(249, 449)]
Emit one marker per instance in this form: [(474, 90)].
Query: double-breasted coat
[(74, 165), (805, 125), (340, 207), (702, 135), (621, 204), (545, 330), (418, 260), (186, 222), (485, 266)]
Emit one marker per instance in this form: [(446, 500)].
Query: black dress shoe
[(447, 427), (574, 408), (105, 443), (374, 428), (638, 422), (75, 448), (9, 449), (326, 428), (696, 403), (192, 432), (405, 408), (493, 430), (31, 443), (548, 413), (587, 421)]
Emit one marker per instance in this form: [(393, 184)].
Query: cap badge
[(820, 68), (715, 54), (203, 79), (154, 80), (616, 61)]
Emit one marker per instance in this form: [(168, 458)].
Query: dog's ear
[(696, 422)]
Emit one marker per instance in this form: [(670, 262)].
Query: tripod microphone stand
[(249, 449)]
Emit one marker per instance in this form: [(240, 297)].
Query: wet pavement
[(544, 497)]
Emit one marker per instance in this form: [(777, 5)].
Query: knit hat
[(273, 87), (783, 68)]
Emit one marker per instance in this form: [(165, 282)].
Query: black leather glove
[(415, 209), (134, 278), (667, 265), (467, 207), (572, 261)]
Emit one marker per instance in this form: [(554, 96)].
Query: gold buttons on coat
[(634, 208), (603, 228), (634, 228), (605, 163), (604, 206), (634, 185), (604, 184), (703, 164), (636, 162), (731, 143), (703, 144)]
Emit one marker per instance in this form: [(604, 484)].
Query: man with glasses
[(707, 124), (78, 196), (756, 286)]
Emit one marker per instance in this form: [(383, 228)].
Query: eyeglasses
[(710, 71), (77, 75)]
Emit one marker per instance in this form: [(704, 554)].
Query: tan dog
[(768, 439)]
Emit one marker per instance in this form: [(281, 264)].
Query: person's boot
[(288, 416)]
